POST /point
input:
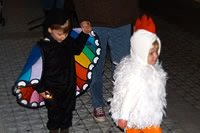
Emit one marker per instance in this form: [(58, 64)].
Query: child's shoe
[(99, 114), (65, 130), (54, 131)]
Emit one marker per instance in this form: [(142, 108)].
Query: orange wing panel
[(81, 72), (26, 93), (80, 82)]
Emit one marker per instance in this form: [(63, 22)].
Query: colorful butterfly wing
[(86, 61), (31, 73), (29, 77)]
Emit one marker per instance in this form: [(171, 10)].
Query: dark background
[(184, 13)]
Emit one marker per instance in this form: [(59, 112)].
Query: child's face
[(58, 35), (153, 55)]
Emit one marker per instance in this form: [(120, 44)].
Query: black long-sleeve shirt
[(59, 73)]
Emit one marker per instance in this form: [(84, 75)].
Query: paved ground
[(180, 58)]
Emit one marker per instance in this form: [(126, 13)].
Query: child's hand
[(86, 27), (46, 95), (122, 123)]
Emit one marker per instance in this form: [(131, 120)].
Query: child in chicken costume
[(139, 95)]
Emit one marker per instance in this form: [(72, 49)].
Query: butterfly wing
[(86, 61), (31, 73), (29, 77)]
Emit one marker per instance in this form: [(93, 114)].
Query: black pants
[(60, 109)]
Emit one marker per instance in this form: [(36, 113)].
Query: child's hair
[(155, 44), (66, 27)]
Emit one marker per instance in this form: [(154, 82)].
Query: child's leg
[(68, 99), (152, 129), (133, 130), (53, 114)]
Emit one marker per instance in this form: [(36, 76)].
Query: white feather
[(140, 90)]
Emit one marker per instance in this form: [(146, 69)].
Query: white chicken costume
[(139, 94)]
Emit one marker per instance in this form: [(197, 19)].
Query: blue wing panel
[(33, 57), (26, 75), (74, 34), (91, 40)]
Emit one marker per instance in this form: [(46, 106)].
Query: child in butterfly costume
[(139, 95), (58, 81)]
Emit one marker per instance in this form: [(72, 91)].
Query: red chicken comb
[(145, 23)]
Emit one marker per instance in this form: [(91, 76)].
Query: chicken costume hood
[(142, 39)]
